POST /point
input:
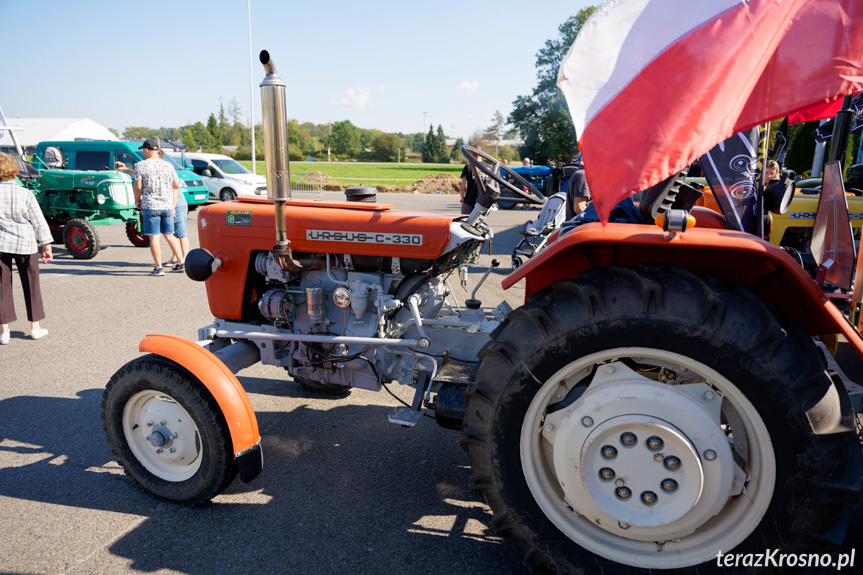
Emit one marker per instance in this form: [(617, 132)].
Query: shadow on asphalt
[(344, 475)]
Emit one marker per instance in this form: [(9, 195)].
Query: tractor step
[(405, 416)]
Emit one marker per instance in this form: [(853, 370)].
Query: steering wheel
[(492, 167)]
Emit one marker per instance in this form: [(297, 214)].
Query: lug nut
[(709, 455), (609, 452), (159, 450), (606, 473), (174, 436), (672, 463), (587, 421), (655, 443), (648, 498), (149, 424), (173, 450), (623, 492), (609, 370), (163, 422), (669, 485), (708, 395), (628, 439)]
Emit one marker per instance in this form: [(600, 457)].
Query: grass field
[(372, 174)]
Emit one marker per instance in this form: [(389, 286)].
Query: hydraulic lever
[(474, 303)]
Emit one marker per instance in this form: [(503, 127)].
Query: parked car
[(224, 177), (97, 155)]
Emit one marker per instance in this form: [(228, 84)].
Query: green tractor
[(75, 201)]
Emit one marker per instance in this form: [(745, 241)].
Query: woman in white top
[(23, 233)]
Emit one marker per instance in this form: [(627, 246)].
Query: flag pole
[(759, 181)]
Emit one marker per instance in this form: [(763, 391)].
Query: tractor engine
[(351, 294)]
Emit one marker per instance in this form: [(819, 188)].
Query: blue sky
[(394, 66)]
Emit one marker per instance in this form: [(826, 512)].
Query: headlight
[(100, 199)]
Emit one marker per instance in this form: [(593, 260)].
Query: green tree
[(496, 130), (346, 139), (202, 136), (455, 153), (417, 142), (387, 147), (542, 118), (428, 149), (136, 133), (440, 152), (801, 147), (189, 141), (215, 144)]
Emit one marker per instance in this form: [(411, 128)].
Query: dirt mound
[(431, 184), (317, 176), (437, 184)]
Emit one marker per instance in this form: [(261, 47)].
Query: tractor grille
[(122, 194)]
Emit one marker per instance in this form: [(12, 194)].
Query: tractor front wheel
[(81, 239), (133, 232), (649, 418), (167, 431)]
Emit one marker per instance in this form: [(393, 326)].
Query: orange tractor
[(651, 404)]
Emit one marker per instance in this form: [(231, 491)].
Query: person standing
[(156, 187), (23, 232), (181, 214), (577, 194)]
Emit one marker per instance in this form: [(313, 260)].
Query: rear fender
[(762, 268), (219, 381)]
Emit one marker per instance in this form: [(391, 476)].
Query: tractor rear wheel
[(167, 431), (651, 418), (135, 236), (81, 239)]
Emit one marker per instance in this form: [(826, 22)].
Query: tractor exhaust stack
[(276, 155)]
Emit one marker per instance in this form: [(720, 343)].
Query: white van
[(224, 177)]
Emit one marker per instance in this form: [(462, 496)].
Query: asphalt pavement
[(342, 490)]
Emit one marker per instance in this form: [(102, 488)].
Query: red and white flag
[(654, 84)]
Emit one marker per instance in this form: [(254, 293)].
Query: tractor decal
[(364, 237)]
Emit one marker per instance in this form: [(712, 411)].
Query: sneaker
[(38, 333), (179, 268), (157, 271), (4, 338)]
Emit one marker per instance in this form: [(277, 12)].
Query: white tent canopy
[(35, 130)]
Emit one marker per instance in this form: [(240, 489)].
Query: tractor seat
[(25, 170)]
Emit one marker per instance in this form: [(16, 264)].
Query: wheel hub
[(624, 466), (634, 483), (162, 435)]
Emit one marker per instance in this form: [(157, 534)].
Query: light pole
[(252, 91), (424, 122), (329, 141)]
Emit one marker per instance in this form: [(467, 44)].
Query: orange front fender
[(219, 381), (762, 268)]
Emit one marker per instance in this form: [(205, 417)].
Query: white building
[(35, 130)]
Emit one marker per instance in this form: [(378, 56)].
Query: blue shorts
[(158, 222), (180, 214)]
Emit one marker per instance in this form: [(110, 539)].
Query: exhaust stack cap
[(272, 77)]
